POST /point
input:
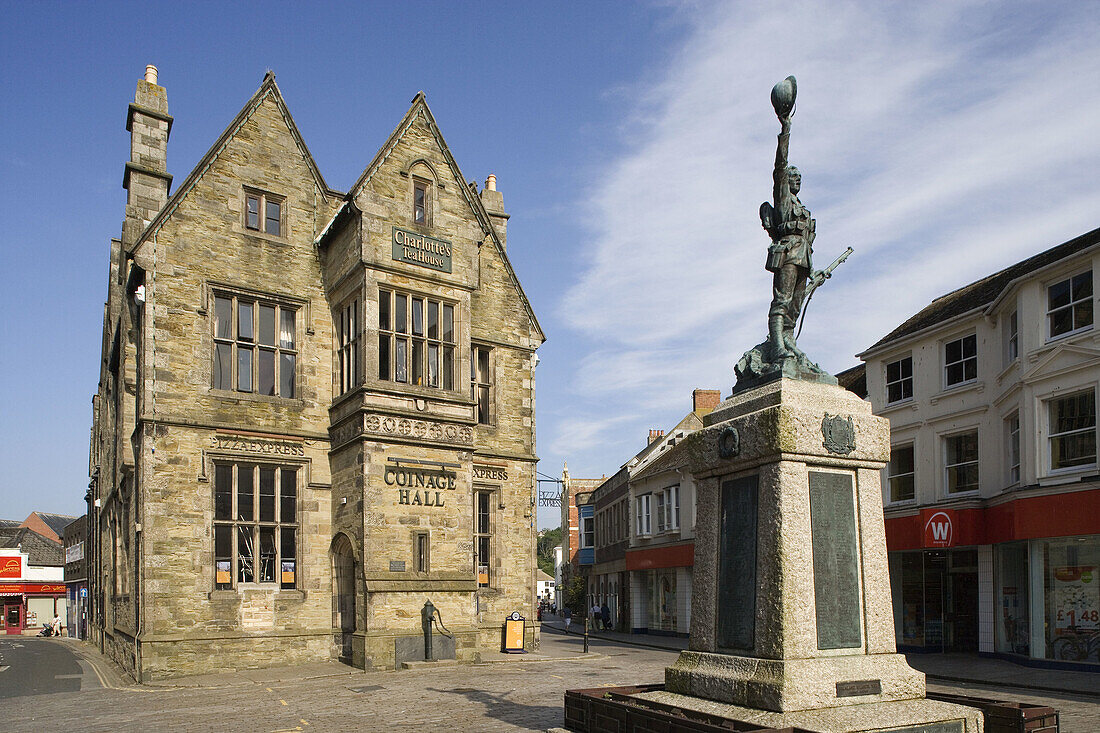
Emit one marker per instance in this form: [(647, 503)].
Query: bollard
[(586, 638)]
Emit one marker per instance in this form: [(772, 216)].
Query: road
[(33, 666), (519, 694)]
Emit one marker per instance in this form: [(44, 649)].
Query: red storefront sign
[(652, 558), (939, 528), (1036, 517), (11, 567), (9, 589)]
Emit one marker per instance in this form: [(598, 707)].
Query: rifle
[(816, 283)]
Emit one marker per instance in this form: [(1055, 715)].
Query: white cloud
[(941, 141)]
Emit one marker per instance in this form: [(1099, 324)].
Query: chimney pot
[(655, 435), (491, 182), (151, 74)]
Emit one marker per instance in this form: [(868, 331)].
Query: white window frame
[(890, 476), (1012, 337), (644, 524), (947, 467), (1048, 405), (1012, 448), (902, 380), (1074, 329), (947, 384)]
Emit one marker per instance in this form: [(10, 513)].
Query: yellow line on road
[(283, 702)]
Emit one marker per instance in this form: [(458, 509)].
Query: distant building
[(544, 587), (32, 580), (576, 535), (76, 576), (48, 525), (992, 495)]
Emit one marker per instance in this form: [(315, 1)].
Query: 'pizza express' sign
[(416, 249)]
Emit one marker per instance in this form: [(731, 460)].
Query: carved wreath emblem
[(729, 443), (840, 434)]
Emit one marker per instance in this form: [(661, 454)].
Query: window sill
[(969, 493), (902, 503), (1067, 475), (1069, 334), (262, 236), (899, 405), (228, 394), (233, 594), (975, 385)]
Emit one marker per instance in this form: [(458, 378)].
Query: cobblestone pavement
[(519, 693)]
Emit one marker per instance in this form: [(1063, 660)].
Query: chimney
[(494, 204), (705, 400), (655, 435), (146, 176)]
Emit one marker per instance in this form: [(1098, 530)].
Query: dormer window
[(421, 202)]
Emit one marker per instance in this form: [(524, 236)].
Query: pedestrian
[(56, 624), (595, 614), (568, 618), (605, 616)]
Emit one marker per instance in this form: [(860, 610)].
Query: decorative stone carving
[(429, 431), (839, 433)]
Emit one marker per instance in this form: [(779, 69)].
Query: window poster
[(288, 571), (222, 572)]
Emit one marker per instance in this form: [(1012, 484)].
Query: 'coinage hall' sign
[(417, 249)]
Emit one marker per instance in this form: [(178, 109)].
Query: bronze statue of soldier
[(792, 230), (790, 260)]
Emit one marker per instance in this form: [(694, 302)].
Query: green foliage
[(576, 595), (547, 541)]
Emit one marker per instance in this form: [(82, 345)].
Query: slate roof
[(56, 522), (854, 380), (9, 523), (985, 291), (42, 551)]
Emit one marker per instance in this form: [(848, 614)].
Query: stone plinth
[(791, 607)]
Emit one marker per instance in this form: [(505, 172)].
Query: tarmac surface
[(508, 693)]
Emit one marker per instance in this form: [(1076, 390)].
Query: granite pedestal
[(791, 610)]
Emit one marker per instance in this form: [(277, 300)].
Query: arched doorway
[(343, 595)]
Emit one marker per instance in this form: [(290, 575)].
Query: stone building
[(315, 409)]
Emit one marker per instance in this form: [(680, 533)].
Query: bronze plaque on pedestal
[(736, 622), (836, 560)]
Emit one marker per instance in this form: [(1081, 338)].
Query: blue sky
[(633, 144)]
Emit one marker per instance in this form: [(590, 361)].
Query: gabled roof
[(268, 88), (419, 107), (56, 522), (985, 291), (41, 551)]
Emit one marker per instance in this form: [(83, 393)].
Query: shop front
[(1018, 579), (29, 606), (661, 582)]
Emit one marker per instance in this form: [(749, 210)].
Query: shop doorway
[(13, 618), (962, 617)]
